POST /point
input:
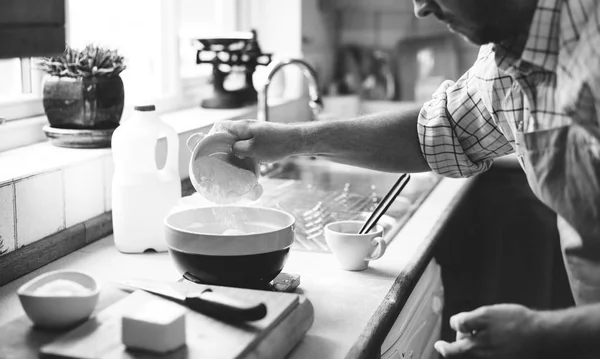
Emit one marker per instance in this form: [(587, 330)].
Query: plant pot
[(88, 104)]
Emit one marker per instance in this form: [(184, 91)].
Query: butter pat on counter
[(157, 326)]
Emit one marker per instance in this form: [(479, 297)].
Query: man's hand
[(499, 331), (265, 141)]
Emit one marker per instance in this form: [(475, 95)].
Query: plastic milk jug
[(143, 194)]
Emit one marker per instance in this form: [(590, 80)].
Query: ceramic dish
[(217, 174), (233, 246), (52, 301)]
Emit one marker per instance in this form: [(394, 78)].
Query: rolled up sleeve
[(457, 134)]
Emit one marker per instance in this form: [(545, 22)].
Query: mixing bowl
[(237, 246)]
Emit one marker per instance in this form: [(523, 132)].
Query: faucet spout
[(315, 103)]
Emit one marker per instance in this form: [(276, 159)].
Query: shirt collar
[(538, 48)]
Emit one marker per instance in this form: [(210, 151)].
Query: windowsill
[(27, 161)]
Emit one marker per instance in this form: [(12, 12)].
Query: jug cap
[(144, 108)]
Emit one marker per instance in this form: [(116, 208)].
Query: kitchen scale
[(236, 54)]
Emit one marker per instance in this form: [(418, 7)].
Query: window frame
[(178, 91)]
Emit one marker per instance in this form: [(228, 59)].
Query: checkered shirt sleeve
[(457, 134)]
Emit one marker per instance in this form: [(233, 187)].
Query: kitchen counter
[(353, 310)]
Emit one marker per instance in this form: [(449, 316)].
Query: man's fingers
[(461, 335), (242, 148), (456, 349), (469, 322), (239, 128)]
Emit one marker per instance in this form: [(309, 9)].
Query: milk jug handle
[(172, 162)]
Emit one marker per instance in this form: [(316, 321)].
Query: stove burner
[(284, 282)]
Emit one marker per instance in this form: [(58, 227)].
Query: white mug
[(353, 251)]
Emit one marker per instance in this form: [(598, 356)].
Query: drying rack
[(314, 208)]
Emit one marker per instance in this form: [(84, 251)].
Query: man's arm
[(453, 134), (570, 333), (384, 141)]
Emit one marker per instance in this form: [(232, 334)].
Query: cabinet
[(31, 28), (419, 324)]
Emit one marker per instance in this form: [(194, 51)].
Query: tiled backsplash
[(384, 29), (37, 206), (7, 217)]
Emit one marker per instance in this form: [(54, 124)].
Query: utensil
[(206, 302), (385, 203)]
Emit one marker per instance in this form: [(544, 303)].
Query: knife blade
[(207, 302)]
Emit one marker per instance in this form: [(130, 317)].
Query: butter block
[(157, 326)]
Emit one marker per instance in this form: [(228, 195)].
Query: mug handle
[(379, 250)]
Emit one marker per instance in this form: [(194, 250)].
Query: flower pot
[(89, 104)]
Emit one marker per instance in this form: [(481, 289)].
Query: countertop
[(353, 310)]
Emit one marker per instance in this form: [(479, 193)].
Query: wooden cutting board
[(289, 316)]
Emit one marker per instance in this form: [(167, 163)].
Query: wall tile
[(357, 28), (84, 191), (7, 218), (431, 26), (109, 170), (40, 207), (395, 26)]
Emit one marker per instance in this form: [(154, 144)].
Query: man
[(534, 90)]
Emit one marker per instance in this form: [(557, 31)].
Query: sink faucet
[(315, 103)]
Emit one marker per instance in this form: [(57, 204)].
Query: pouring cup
[(217, 174), (351, 250)]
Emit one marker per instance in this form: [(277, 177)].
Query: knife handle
[(225, 308)]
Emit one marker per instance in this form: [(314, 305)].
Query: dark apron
[(563, 170)]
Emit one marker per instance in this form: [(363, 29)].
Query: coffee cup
[(353, 251)]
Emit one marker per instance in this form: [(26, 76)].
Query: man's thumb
[(468, 322), (242, 148)]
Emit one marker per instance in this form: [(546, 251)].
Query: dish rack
[(315, 207)]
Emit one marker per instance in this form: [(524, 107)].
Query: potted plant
[(83, 96)]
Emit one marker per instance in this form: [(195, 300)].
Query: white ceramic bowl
[(59, 311)]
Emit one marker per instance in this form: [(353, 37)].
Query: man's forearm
[(383, 141), (570, 333)]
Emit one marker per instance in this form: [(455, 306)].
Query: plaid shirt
[(527, 84)]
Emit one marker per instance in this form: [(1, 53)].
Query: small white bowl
[(59, 311)]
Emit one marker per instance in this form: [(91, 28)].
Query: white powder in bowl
[(62, 287), (219, 181), (233, 232)]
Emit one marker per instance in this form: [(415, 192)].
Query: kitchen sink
[(318, 191)]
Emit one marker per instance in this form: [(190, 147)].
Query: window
[(155, 36), (11, 83)]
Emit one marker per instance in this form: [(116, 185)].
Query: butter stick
[(157, 326)]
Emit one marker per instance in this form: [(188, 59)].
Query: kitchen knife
[(206, 301)]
